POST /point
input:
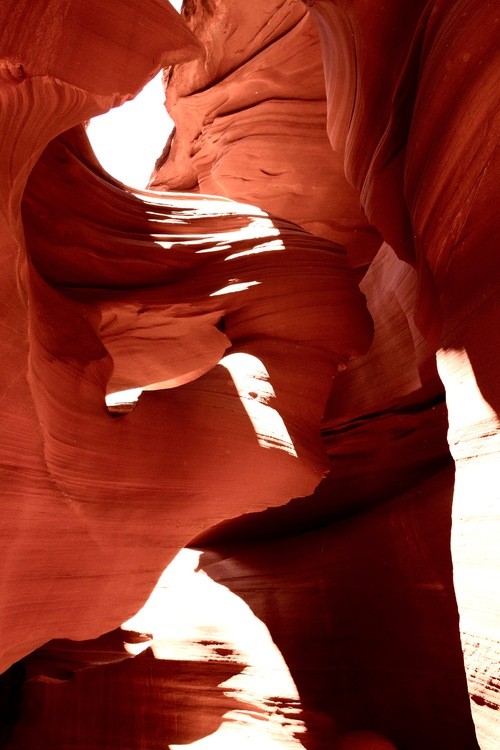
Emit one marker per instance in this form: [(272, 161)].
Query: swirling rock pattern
[(251, 118), (420, 143), (108, 290), (374, 127)]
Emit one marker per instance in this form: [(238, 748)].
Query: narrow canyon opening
[(129, 139), (291, 542)]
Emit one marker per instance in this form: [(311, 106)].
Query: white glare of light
[(258, 228), (129, 139), (265, 247), (242, 286), (192, 618), (474, 440), (466, 404), (128, 396), (251, 380)]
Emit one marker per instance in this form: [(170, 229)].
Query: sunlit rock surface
[(180, 567), (251, 121), (420, 142), (189, 297)]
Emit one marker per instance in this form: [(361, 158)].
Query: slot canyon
[(249, 442)]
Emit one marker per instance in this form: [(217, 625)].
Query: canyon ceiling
[(288, 536)]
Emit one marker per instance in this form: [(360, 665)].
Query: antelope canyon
[(249, 447)]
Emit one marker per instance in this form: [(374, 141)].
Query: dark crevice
[(11, 691)]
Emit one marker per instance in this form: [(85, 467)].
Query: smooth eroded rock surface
[(242, 551)]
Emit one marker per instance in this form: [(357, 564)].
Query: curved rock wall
[(329, 619), (116, 302), (251, 121), (107, 290), (425, 174), (412, 117)]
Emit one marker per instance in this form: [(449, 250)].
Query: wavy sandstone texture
[(187, 572)]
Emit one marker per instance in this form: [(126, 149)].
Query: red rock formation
[(251, 121), (240, 319), (112, 301), (421, 144), (413, 118), (42, 94)]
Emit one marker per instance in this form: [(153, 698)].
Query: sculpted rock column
[(103, 290), (416, 121), (61, 63), (251, 121)]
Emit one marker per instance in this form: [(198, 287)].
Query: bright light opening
[(474, 439), (251, 380), (190, 617), (122, 402), (129, 139)]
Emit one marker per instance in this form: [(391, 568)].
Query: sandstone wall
[(312, 598)]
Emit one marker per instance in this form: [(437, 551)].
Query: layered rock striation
[(251, 118), (312, 598), (125, 291)]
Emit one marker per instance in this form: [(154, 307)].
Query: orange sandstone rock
[(251, 122), (107, 290), (234, 321)]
